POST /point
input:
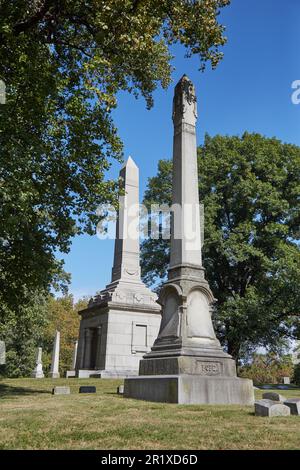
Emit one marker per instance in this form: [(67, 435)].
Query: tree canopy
[(250, 188), (63, 63)]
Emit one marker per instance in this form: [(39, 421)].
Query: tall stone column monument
[(121, 323), (54, 369), (186, 363)]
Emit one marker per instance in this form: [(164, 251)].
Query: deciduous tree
[(63, 63)]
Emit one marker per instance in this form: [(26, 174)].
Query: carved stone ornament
[(184, 100)]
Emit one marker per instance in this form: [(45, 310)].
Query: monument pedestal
[(189, 375), (54, 375), (38, 373), (211, 364), (190, 389)]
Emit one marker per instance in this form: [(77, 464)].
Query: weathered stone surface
[(120, 390), (286, 380), (54, 369), (38, 373), (2, 352), (273, 396), (271, 408), (74, 355), (70, 374), (190, 389), (294, 405), (61, 390), (186, 363), (195, 365), (87, 389)]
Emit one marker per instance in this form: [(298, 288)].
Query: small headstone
[(294, 405), (38, 373), (61, 391), (286, 380), (2, 352), (271, 408), (87, 389), (70, 373), (273, 396), (120, 390)]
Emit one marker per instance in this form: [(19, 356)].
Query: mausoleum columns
[(87, 347)]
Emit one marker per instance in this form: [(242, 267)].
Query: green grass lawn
[(31, 418)]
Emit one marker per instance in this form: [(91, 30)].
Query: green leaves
[(63, 64)]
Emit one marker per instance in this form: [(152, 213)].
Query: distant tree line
[(250, 189), (36, 328)]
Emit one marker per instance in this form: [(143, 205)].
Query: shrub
[(267, 368)]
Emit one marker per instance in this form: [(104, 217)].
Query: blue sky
[(250, 90)]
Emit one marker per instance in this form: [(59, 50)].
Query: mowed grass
[(32, 418)]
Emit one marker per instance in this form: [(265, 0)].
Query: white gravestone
[(2, 353), (54, 370), (38, 373)]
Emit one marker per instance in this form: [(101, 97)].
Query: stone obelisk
[(2, 353), (126, 267), (54, 370), (122, 322), (186, 363), (74, 355), (38, 373)]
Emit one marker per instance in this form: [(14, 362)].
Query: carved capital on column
[(184, 102)]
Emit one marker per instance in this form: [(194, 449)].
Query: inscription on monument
[(209, 368)]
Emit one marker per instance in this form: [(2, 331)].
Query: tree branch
[(39, 15)]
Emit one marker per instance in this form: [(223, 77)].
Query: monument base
[(209, 364), (39, 375), (105, 374), (70, 374), (190, 389), (54, 375)]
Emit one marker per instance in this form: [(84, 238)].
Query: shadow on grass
[(8, 391)]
